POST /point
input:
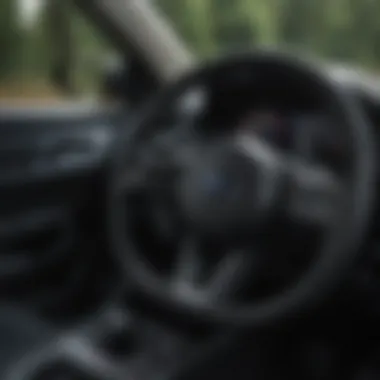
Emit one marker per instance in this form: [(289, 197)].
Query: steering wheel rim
[(340, 251)]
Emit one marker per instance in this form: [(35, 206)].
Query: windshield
[(340, 30)]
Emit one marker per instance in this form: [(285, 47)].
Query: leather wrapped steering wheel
[(230, 192)]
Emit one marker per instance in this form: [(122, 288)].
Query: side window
[(49, 52)]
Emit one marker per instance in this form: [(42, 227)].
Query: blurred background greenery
[(60, 37)]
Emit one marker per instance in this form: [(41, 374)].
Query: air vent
[(34, 243)]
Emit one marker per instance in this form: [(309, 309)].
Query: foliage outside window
[(341, 30), (60, 55)]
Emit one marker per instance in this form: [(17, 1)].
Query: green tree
[(58, 15), (10, 38)]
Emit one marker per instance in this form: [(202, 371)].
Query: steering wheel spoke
[(230, 274), (188, 267), (226, 276), (316, 195)]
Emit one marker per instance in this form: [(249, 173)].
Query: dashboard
[(59, 156), (52, 169), (42, 144)]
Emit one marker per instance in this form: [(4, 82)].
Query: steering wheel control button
[(194, 102)]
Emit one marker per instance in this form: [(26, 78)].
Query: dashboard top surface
[(65, 110)]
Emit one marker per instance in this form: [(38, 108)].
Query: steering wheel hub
[(228, 192)]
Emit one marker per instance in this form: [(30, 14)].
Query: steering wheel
[(236, 193)]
